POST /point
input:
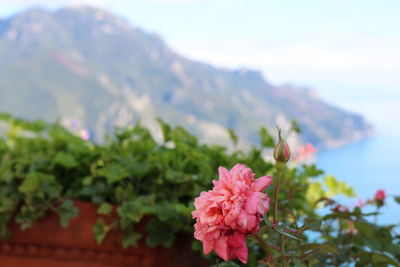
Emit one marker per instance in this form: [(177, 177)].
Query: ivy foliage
[(44, 167), (139, 181)]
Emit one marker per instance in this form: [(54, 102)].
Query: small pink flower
[(230, 211), (310, 149), (380, 195), (85, 135), (361, 203), (305, 153)]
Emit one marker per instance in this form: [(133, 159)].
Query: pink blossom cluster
[(305, 153), (380, 196), (231, 210)]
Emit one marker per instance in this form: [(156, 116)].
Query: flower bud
[(282, 151), (380, 197), (351, 229)]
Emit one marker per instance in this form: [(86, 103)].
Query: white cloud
[(370, 61)]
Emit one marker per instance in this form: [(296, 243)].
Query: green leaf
[(180, 135), (66, 211), (226, 264), (131, 239), (6, 173), (40, 185), (315, 225), (315, 192), (124, 193), (166, 130), (312, 170), (298, 263), (104, 209), (33, 182), (343, 215), (7, 205), (382, 258), (282, 231), (160, 233), (87, 180), (336, 187), (130, 212), (27, 215), (267, 222), (364, 228), (100, 230), (114, 172), (266, 139), (66, 160), (232, 135), (295, 126), (164, 212), (318, 248), (397, 199)]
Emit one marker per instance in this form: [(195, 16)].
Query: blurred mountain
[(92, 68)]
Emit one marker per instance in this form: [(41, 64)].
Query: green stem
[(376, 216), (276, 192), (283, 250), (280, 168), (340, 228)]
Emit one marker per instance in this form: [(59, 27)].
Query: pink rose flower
[(380, 195), (230, 211)]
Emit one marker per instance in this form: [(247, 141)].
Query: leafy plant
[(44, 167), (135, 179)]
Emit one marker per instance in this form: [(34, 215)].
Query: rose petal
[(252, 203), (207, 246), (261, 183), (237, 240), (247, 221), (221, 247), (263, 204), (241, 253), (224, 176), (236, 171)]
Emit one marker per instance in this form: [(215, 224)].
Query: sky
[(348, 51)]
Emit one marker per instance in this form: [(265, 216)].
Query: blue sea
[(372, 163)]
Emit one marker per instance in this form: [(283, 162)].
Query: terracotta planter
[(47, 244)]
